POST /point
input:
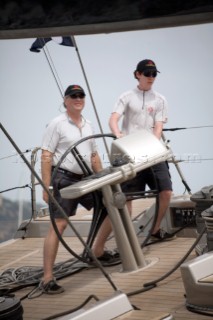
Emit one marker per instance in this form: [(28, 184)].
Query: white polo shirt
[(141, 109), (60, 134)]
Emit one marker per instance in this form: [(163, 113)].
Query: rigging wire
[(89, 90), (25, 186), (60, 87), (207, 159), (178, 168), (184, 128), (52, 68), (191, 161), (16, 154)]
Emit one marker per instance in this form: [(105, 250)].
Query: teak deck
[(167, 298)]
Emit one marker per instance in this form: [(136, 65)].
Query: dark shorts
[(68, 205), (145, 177)]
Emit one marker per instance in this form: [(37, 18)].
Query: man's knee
[(61, 225), (165, 195)]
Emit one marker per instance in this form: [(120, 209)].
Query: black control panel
[(181, 217)]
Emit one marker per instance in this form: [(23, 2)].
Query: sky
[(30, 97)]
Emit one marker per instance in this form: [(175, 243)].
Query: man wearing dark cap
[(60, 134), (144, 108)]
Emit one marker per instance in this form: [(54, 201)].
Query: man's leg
[(101, 237), (50, 249), (164, 200), (104, 232), (164, 185)]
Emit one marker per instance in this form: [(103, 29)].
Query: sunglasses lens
[(76, 96), (150, 74)]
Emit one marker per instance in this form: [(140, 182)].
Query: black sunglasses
[(76, 96), (150, 74)]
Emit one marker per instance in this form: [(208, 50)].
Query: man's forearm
[(46, 166), (96, 162), (113, 124)]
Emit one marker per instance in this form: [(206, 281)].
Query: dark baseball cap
[(73, 89), (146, 65)]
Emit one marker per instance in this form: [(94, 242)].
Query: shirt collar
[(83, 120)]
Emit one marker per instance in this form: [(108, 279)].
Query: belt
[(69, 173)]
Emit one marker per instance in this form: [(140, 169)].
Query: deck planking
[(167, 298)]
